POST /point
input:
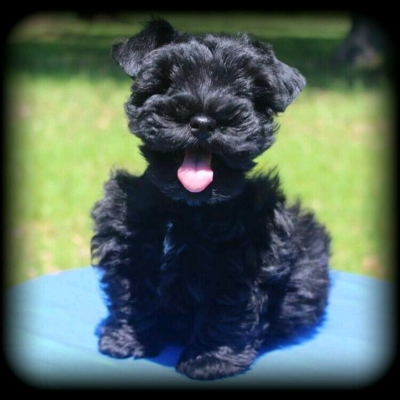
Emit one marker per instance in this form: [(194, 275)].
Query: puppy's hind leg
[(306, 289)]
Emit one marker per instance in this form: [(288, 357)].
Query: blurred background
[(65, 128)]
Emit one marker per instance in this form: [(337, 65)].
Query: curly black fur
[(228, 268)]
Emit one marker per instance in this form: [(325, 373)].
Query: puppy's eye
[(144, 89), (156, 89), (159, 89)]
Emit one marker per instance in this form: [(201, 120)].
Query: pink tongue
[(195, 173)]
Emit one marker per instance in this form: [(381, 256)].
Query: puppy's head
[(203, 106)]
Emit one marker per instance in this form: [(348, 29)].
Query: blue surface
[(50, 340)]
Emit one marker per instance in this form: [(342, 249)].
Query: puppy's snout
[(202, 126)]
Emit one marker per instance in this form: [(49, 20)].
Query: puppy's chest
[(195, 262), (173, 245), (197, 244), (179, 244)]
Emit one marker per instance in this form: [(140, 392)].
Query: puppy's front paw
[(121, 342), (210, 365)]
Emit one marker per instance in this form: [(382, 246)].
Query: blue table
[(50, 341)]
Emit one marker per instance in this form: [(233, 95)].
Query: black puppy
[(194, 250)]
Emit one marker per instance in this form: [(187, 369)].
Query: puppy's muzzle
[(202, 126)]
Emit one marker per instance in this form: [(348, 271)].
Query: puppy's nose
[(202, 126)]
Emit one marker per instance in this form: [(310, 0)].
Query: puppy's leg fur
[(278, 289), (127, 247), (224, 343)]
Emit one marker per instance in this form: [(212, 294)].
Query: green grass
[(66, 128), (338, 166)]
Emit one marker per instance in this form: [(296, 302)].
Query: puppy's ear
[(282, 83), (129, 53)]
